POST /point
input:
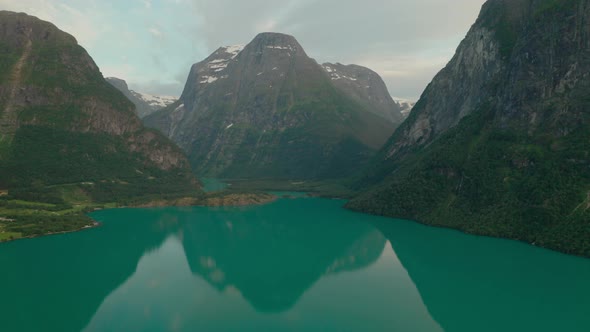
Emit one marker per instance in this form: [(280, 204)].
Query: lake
[(299, 264)]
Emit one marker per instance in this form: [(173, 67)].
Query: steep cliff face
[(367, 88), (498, 144), (61, 122), (145, 104), (267, 110)]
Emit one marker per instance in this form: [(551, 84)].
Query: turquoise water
[(302, 264)]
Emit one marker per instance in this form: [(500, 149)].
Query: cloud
[(385, 35), (405, 41)]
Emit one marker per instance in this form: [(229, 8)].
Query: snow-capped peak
[(219, 64), (156, 101)]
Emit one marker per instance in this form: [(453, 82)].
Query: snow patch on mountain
[(406, 105), (155, 101), (180, 107), (208, 79), (234, 50), (285, 48), (335, 75), (219, 64)]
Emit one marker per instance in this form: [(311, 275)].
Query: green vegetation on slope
[(517, 164), (48, 156), (73, 142), (489, 181), (288, 123), (55, 176), (333, 138)]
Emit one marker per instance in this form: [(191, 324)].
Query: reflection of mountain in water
[(480, 284), (272, 258), (67, 280)]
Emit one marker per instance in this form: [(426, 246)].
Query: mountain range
[(496, 145), (145, 104), (267, 110)]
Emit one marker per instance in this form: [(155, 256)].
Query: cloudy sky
[(152, 43)]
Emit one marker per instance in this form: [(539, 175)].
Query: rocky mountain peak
[(145, 104), (210, 69), (339, 71), (276, 42), (118, 83), (366, 87), (17, 28), (229, 51), (269, 110), (264, 63)]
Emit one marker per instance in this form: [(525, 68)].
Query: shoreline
[(217, 200), (478, 234), (270, 198), (220, 199), (95, 224)]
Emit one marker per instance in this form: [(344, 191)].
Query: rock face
[(61, 122), (498, 144), (367, 88), (145, 104), (267, 110)]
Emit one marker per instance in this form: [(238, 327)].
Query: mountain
[(145, 104), (367, 88), (64, 131), (267, 110), (498, 142)]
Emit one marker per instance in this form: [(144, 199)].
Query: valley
[(255, 188)]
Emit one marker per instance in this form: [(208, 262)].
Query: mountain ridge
[(269, 111), (366, 87), (145, 104), (497, 144), (68, 139)]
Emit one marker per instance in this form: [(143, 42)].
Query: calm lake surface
[(300, 264)]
